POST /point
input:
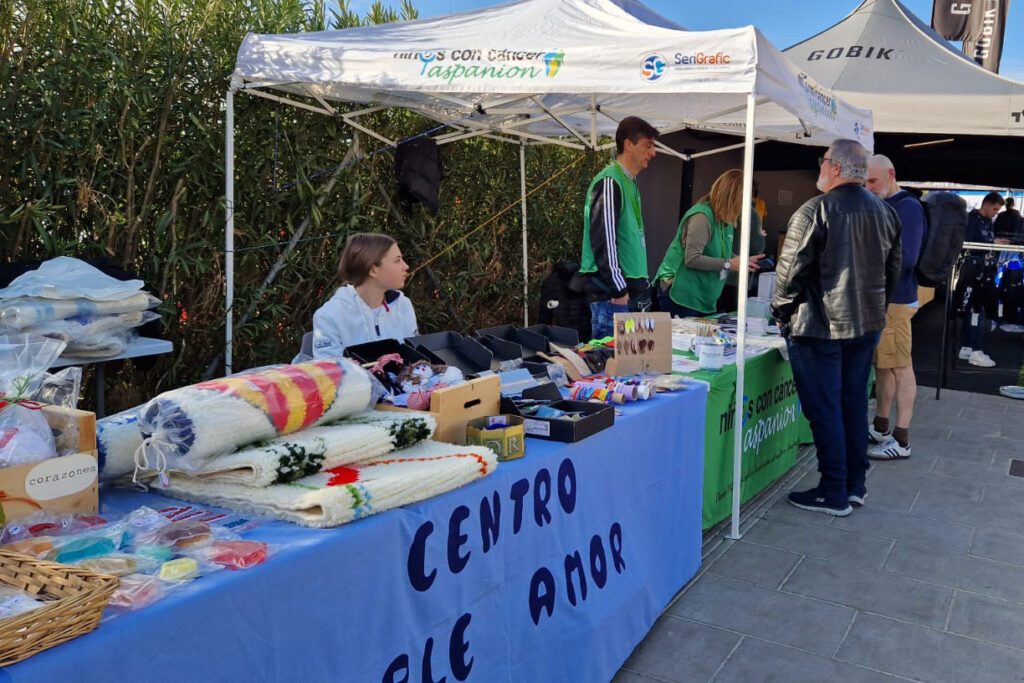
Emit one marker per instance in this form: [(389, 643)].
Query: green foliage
[(112, 115)]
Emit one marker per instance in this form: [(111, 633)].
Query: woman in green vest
[(699, 259)]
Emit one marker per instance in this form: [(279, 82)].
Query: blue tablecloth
[(550, 569)]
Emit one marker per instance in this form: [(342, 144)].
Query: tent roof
[(883, 57), (554, 68)]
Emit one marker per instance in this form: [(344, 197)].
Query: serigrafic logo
[(652, 67), (821, 101)]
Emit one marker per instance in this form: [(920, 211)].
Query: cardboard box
[(633, 354), (63, 484), (507, 442), (453, 407), (598, 416)]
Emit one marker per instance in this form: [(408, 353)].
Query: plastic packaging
[(41, 547), (120, 564), (17, 314), (14, 602), (234, 554), (184, 428), (137, 591), (25, 435), (65, 277), (91, 331)]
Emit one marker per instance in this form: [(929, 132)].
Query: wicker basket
[(78, 598)]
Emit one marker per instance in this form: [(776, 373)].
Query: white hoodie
[(346, 320)]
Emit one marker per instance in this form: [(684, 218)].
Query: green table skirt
[(773, 429)]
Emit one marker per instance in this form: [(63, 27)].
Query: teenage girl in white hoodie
[(369, 305)]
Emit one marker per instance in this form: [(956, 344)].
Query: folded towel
[(342, 494), (312, 450), (183, 428)]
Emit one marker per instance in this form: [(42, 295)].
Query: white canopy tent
[(883, 57), (548, 71)]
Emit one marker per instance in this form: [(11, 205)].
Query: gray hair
[(851, 157)]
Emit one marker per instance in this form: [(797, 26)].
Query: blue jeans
[(602, 320), (832, 384), (674, 309), (973, 334)]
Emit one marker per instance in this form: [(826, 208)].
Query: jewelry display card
[(643, 343)]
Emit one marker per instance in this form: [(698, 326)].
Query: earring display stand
[(643, 343)]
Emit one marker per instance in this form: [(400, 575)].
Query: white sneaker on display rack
[(965, 352), (981, 359)]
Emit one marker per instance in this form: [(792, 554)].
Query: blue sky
[(784, 22)]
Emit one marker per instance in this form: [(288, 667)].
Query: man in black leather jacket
[(838, 270)]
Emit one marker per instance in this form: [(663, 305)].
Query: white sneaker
[(890, 450), (965, 352), (1010, 327), (981, 359), (877, 437)]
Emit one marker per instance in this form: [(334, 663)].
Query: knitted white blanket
[(342, 494), (183, 428), (288, 458)]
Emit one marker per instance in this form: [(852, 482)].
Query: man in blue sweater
[(894, 367)]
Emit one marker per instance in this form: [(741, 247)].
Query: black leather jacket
[(839, 266)]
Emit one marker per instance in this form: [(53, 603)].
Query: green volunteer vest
[(629, 229), (696, 289)]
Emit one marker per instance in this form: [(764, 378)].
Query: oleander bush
[(112, 117)]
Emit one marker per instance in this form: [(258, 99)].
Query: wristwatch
[(727, 265)]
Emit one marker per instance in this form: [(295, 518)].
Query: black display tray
[(451, 348), (598, 416)]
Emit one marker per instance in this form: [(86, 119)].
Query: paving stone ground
[(924, 583)]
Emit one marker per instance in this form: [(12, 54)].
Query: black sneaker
[(815, 501)]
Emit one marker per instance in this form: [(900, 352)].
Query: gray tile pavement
[(925, 583)]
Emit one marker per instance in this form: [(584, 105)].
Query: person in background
[(759, 206), (980, 228), (369, 306), (1009, 224), (729, 301), (614, 251), (838, 269), (894, 364), (700, 257)]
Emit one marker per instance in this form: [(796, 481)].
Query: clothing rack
[(967, 246)]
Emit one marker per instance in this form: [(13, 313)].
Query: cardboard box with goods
[(453, 407), (67, 483)]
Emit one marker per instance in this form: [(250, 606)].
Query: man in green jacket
[(614, 247)]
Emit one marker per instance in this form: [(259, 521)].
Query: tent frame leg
[(526, 255), (741, 317), (229, 224)]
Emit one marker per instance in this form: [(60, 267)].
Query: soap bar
[(238, 554), (181, 569), (155, 552), (184, 534), (112, 565), (84, 548), (136, 591), (40, 548)]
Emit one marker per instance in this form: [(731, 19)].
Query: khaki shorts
[(895, 345)]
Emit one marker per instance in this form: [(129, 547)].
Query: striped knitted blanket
[(183, 428), (288, 458), (342, 494)]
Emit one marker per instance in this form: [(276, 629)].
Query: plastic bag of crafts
[(48, 523), (232, 554), (98, 541), (25, 435), (184, 428), (136, 591), (65, 277), (91, 331), (14, 601), (28, 312)]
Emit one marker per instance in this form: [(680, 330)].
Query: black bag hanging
[(419, 173), (945, 223), (1011, 291), (967, 295)]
